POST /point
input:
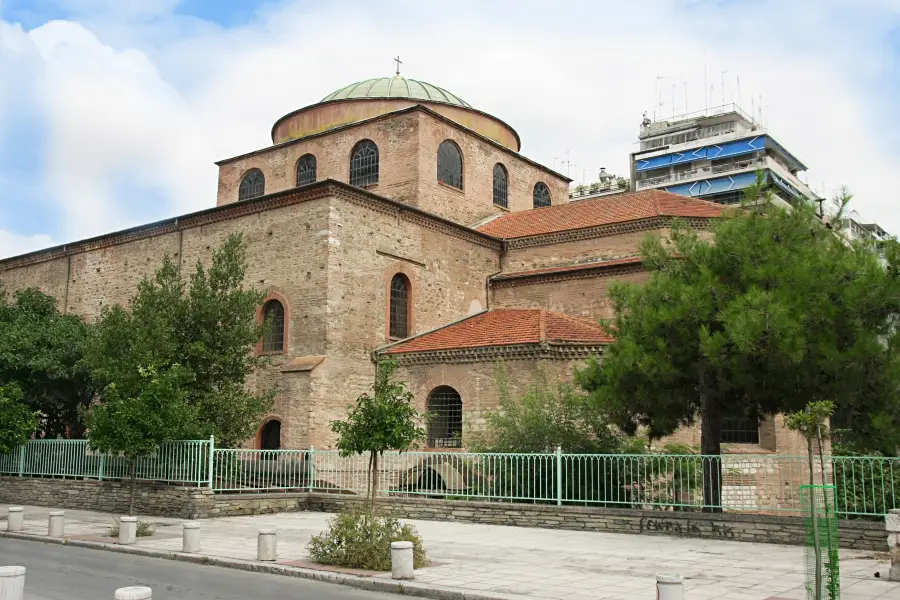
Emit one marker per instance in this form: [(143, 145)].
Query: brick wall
[(519, 258)]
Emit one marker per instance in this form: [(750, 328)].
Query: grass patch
[(144, 528), (358, 540)]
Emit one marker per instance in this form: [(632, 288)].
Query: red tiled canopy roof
[(503, 327), (599, 264), (604, 210)]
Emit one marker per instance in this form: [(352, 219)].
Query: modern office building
[(714, 154)]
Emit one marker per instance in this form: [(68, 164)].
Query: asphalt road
[(67, 573)]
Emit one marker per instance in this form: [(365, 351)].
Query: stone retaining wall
[(191, 503), (108, 496)]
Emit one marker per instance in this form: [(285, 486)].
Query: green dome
[(396, 87)]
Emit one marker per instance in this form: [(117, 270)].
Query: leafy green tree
[(17, 420), (155, 409), (41, 353), (207, 327), (381, 421), (775, 312)]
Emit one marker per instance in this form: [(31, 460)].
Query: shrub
[(144, 528), (360, 540)]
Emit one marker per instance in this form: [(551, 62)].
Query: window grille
[(449, 164), (740, 429), (444, 418), (501, 186), (364, 164), (253, 185), (306, 170), (541, 195), (273, 339), (399, 308)]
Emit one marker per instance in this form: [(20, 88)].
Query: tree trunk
[(131, 497), (711, 449), (814, 519), (374, 479)]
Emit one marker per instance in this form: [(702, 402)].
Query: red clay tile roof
[(604, 210), (503, 327), (629, 260)]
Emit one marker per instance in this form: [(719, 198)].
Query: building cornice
[(543, 350), (587, 233), (315, 191), (572, 273)]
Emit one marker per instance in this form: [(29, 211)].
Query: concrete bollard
[(127, 530), (56, 524), (137, 592), (16, 519), (669, 587), (12, 583), (266, 545), (892, 525), (402, 560), (190, 538)]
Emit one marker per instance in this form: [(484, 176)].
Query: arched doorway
[(270, 437), (444, 409)]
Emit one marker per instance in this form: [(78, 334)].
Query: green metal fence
[(865, 487), (176, 462)]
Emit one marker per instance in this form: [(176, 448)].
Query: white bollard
[(137, 592), (56, 524), (12, 583), (669, 587), (402, 560), (892, 525), (266, 545), (190, 539), (127, 530), (16, 519)]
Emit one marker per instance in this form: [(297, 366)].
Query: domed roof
[(396, 87)]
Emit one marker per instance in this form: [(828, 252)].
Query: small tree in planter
[(812, 423), (380, 421)]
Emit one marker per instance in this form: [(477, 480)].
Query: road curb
[(406, 588)]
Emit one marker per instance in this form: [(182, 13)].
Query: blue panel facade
[(714, 186), (713, 151)]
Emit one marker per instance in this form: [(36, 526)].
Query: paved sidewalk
[(513, 562)]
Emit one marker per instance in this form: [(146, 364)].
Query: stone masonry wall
[(106, 496)]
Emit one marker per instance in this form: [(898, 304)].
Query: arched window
[(273, 339), (399, 308), (253, 185), (501, 186), (364, 164), (541, 195), (306, 170), (449, 164), (444, 418), (270, 438)]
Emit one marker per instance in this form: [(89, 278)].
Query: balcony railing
[(699, 172)]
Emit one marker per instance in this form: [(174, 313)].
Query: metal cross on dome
[(399, 62)]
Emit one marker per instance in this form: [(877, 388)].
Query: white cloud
[(12, 244), (156, 100)]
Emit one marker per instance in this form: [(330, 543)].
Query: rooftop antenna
[(673, 101), (685, 98), (705, 83), (658, 99), (739, 89), (723, 87)]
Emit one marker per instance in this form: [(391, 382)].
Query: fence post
[(212, 452), (310, 475), (559, 475), (22, 460), (102, 464)]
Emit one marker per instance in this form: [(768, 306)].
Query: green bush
[(866, 487), (144, 528), (360, 540)]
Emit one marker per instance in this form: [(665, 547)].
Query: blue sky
[(112, 112)]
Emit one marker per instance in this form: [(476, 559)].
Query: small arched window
[(270, 438), (306, 170), (364, 164), (273, 338), (253, 185), (501, 186), (541, 195), (444, 410), (449, 164), (399, 307)]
